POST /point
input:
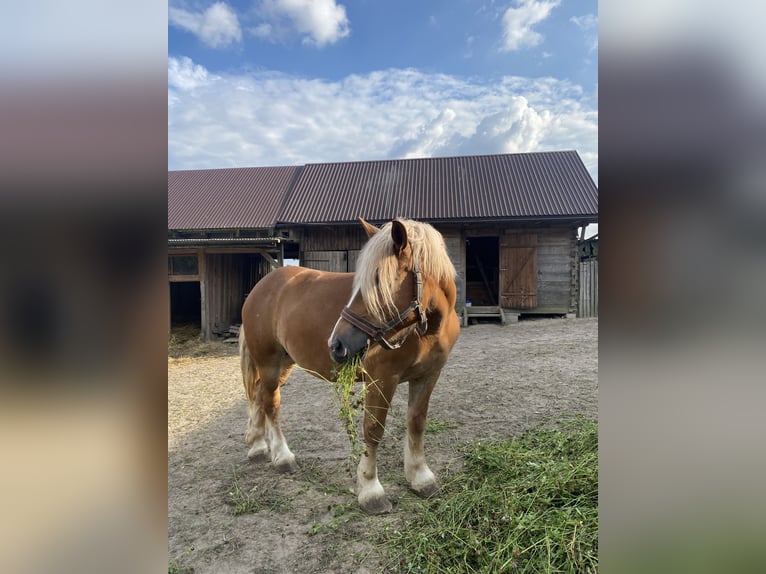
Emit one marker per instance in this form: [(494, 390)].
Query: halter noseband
[(378, 334)]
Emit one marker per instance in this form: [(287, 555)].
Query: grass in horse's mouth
[(351, 400)]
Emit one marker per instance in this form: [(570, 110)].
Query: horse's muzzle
[(338, 351), (347, 343)]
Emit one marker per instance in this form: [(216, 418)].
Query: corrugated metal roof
[(542, 184), (227, 198), (506, 186)]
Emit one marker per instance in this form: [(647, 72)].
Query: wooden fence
[(588, 288)]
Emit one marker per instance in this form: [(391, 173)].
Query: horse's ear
[(399, 235), (368, 228)]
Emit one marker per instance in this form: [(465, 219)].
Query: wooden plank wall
[(333, 238), (337, 249), (556, 270), (329, 248), (588, 288), (228, 279), (336, 261), (352, 256), (455, 243), (222, 284)]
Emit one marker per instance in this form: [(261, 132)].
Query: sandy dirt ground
[(499, 381)]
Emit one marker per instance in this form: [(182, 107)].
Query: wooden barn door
[(518, 271), (326, 260)]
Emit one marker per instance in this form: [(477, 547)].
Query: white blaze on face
[(332, 335)]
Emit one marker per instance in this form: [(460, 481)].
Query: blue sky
[(287, 82)]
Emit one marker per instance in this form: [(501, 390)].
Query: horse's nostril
[(338, 349)]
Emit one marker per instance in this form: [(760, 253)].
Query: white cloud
[(589, 25), (586, 22), (317, 22), (263, 30), (185, 75), (431, 135), (218, 26), (269, 118), (518, 23)]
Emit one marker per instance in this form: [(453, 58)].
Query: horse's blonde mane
[(377, 259)]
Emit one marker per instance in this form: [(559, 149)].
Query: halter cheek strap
[(378, 333)]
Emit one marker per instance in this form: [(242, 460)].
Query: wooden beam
[(232, 250), (204, 311), (270, 259)]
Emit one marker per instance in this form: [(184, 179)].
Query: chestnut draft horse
[(399, 306)]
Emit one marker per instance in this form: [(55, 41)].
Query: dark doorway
[(482, 258), (185, 304)]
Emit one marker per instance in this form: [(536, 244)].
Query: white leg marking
[(371, 496), (420, 477), (281, 456), (259, 451), (255, 436)]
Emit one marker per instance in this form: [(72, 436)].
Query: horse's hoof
[(286, 466), (426, 490), (258, 454), (376, 505)]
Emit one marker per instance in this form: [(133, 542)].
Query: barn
[(509, 221), (222, 239)]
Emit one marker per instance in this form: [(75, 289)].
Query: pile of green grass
[(244, 500), (351, 401), (525, 505)]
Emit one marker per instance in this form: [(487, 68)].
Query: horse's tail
[(249, 368)]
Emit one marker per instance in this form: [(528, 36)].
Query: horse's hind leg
[(255, 435), (262, 381), (420, 477), (269, 398)]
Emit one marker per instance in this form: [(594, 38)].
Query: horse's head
[(386, 303)]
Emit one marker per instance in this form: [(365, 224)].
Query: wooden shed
[(509, 222), (222, 239)]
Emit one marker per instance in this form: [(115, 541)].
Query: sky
[(289, 82)]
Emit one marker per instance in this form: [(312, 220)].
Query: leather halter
[(378, 333)]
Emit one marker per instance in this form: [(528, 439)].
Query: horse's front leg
[(420, 477), (372, 498)]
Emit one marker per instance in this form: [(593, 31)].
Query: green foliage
[(342, 515), (248, 500), (525, 505), (438, 426), (351, 401)]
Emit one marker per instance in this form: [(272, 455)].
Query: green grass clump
[(246, 501), (525, 505), (342, 515), (351, 401), (438, 426)]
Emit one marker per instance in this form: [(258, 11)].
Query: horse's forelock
[(377, 258)]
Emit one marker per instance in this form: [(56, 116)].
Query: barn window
[(183, 265)]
